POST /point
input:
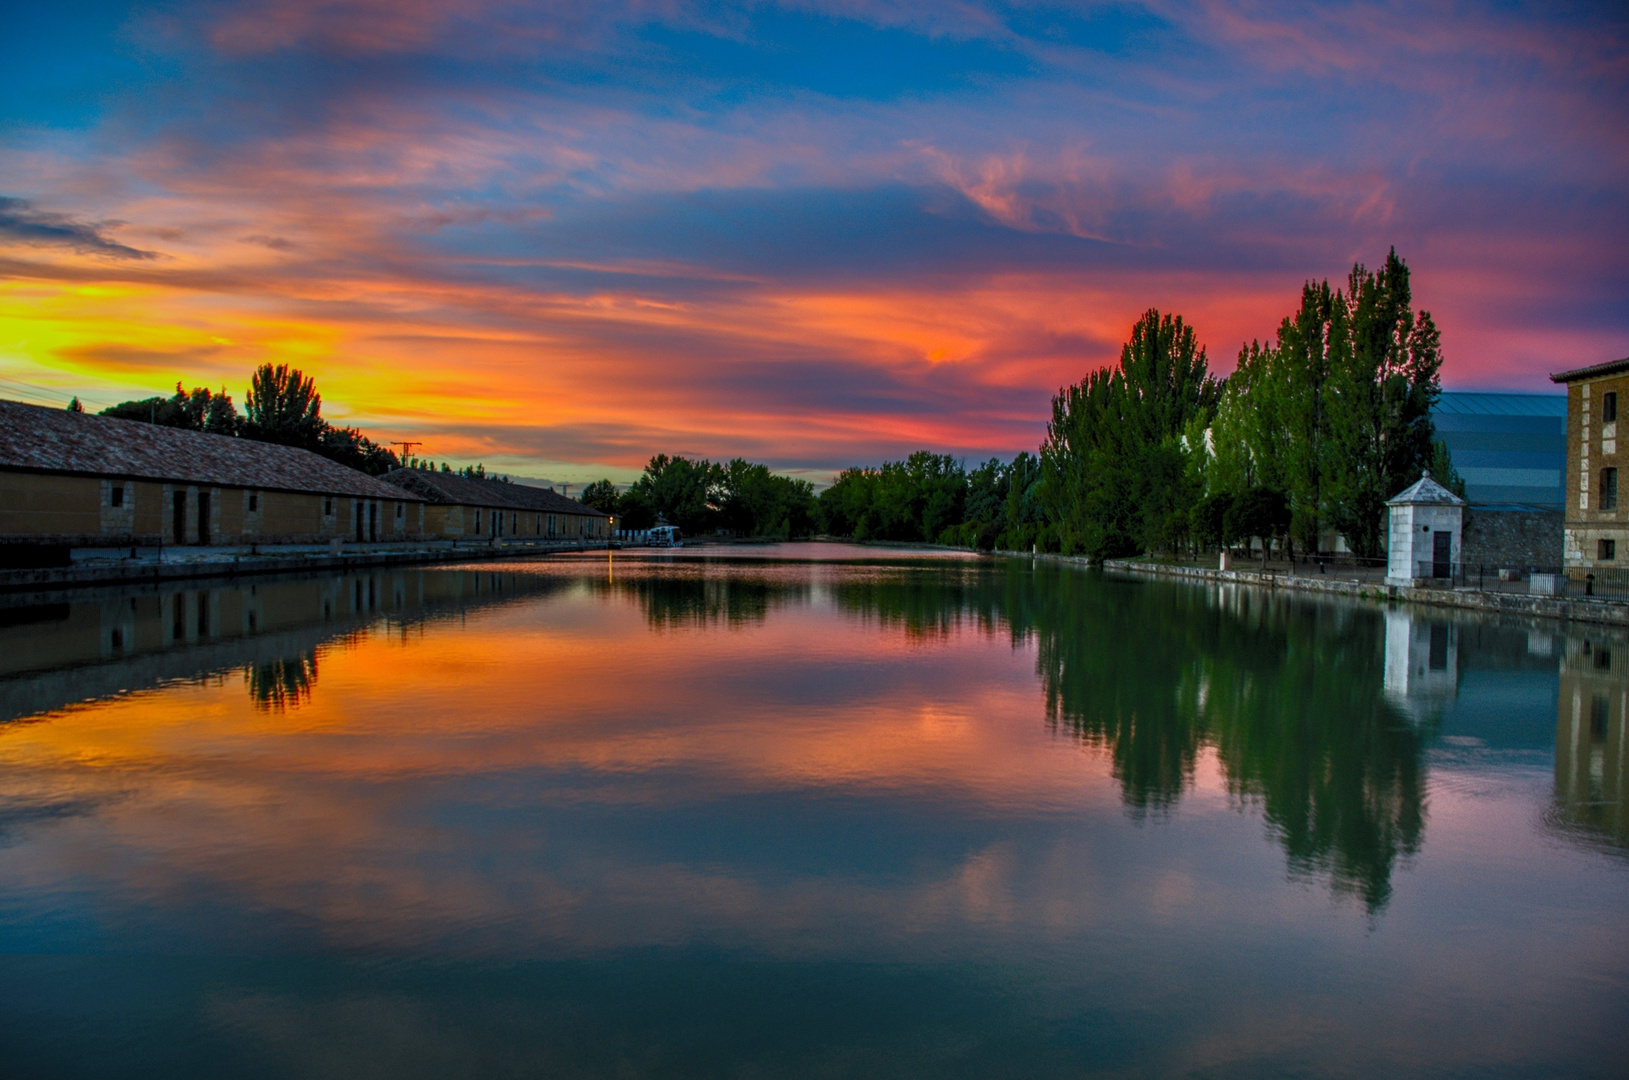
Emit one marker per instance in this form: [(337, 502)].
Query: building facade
[(467, 507), (1424, 533), (1510, 449), (1595, 527), (72, 482)]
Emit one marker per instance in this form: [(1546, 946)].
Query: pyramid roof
[(1425, 490)]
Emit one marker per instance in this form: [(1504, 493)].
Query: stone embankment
[(1612, 612), (203, 563)]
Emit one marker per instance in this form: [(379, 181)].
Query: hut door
[(203, 517), (361, 520), (373, 521), (179, 522), (1441, 551)]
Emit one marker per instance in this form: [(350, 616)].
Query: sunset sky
[(560, 237)]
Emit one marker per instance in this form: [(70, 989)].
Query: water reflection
[(60, 653), (686, 597), (1591, 762), (1002, 813), (282, 684)]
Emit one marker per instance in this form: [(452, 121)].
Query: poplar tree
[(1114, 463), (1379, 402)]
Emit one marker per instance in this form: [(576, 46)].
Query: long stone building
[(466, 506), (72, 481)]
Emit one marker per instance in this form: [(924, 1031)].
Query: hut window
[(399, 511), (328, 507), (1609, 407), (254, 501), (116, 496), (1606, 550), (1609, 489)]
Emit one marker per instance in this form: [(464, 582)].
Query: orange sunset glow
[(579, 235)]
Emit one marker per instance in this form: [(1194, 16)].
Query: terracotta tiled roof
[(452, 489), (1611, 367), (59, 441)]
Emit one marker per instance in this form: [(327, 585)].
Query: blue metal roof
[(1476, 403), (1509, 448)]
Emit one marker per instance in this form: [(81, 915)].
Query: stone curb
[(1615, 613), (135, 572)]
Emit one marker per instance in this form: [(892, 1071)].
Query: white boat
[(666, 536)]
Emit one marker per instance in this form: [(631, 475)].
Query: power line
[(31, 394)]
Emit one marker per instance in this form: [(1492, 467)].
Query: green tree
[(756, 502), (197, 409), (1208, 521), (1380, 401), (922, 499), (1261, 512), (75, 406), (283, 406), (601, 495), (1114, 463), (1442, 468), (351, 448), (681, 491)]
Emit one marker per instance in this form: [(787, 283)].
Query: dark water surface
[(812, 812)]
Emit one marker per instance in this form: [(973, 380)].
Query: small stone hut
[(1425, 534)]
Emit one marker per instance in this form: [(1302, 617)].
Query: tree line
[(1311, 434), (1313, 431), (702, 497), (282, 406)]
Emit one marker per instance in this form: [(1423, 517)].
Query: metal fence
[(1533, 580)]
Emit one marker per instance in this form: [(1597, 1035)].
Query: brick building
[(1595, 526), (72, 481), (467, 506)]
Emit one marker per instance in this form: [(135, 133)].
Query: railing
[(1574, 583)]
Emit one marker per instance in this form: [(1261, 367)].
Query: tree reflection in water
[(1289, 694), (282, 684), (671, 602)]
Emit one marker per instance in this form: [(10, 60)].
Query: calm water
[(808, 813)]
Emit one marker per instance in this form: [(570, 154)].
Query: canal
[(798, 811)]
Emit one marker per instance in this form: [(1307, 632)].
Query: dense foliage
[(1309, 436), (1336, 412), (702, 497), (282, 406)]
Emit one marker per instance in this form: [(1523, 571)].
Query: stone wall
[(1512, 538)]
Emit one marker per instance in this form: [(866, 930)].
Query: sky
[(558, 238)]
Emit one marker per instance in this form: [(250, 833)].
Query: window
[(116, 496), (1609, 407), (328, 507), (254, 501), (399, 511), (1609, 489), (1606, 550)]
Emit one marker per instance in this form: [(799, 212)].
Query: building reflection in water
[(1422, 664), (1318, 713), (68, 651), (1591, 761)]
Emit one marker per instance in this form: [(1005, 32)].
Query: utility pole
[(407, 449)]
